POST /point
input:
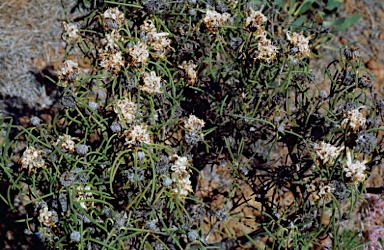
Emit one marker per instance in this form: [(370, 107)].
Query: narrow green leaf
[(299, 21), (304, 7), (333, 4), (348, 23), (337, 22)]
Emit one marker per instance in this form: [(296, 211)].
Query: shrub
[(177, 92)]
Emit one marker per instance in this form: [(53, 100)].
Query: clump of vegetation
[(175, 90)]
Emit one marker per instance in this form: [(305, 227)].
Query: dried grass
[(29, 40)]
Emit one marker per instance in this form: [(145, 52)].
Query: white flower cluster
[(355, 169), (82, 195), (69, 71), (113, 18), (232, 3), (112, 62), (126, 110), (139, 53), (194, 124), (327, 152), (70, 33), (109, 42), (255, 20), (180, 164), (47, 217), (180, 176), (354, 118), (147, 30), (301, 43), (158, 41), (160, 44), (190, 70), (152, 83), (324, 191), (265, 50), (66, 142), (32, 159), (137, 135), (214, 19), (111, 58)]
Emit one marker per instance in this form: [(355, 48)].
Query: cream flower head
[(70, 33), (137, 135), (32, 159), (326, 152), (66, 142), (214, 19), (194, 124), (354, 118), (126, 110), (113, 18), (152, 83), (301, 43), (255, 20), (139, 53), (265, 50), (354, 169)]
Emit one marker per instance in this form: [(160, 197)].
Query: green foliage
[(344, 23)]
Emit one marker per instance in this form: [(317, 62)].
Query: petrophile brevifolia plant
[(198, 125)]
